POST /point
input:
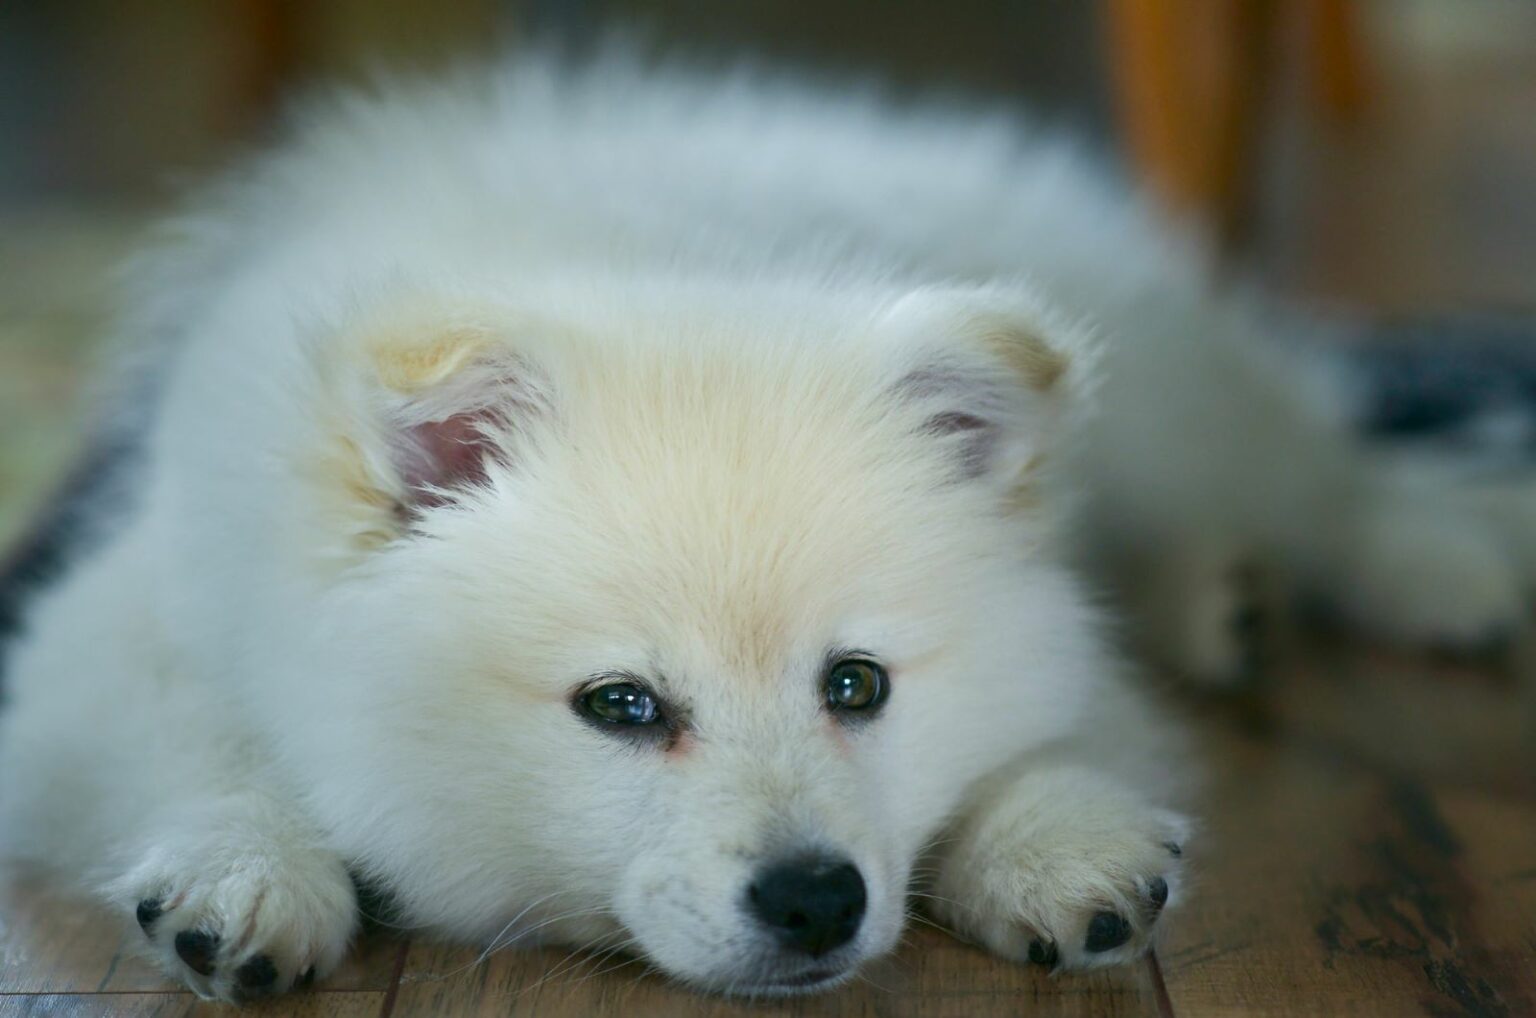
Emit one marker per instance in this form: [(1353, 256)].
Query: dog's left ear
[(993, 375)]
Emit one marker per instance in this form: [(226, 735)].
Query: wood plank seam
[(1159, 988), (387, 1007)]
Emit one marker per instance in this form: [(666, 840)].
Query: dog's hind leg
[(1409, 558), (1197, 607)]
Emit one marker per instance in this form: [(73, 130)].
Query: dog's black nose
[(814, 904)]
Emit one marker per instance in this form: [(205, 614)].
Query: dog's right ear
[(420, 409)]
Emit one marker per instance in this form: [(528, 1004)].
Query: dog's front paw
[(236, 922), (1075, 881)]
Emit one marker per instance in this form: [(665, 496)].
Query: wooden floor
[(1370, 849)]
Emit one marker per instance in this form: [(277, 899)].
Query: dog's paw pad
[(257, 974), (254, 927), (1043, 952), (1247, 620), (1106, 931), (147, 912), (197, 949)]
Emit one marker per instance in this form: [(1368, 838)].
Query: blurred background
[(1373, 812), (1377, 155)]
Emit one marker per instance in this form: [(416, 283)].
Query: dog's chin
[(813, 981), (808, 980)]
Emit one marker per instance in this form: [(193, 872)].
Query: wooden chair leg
[(1190, 77), (1338, 67), (270, 43)]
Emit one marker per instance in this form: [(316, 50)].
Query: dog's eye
[(620, 703), (856, 684)]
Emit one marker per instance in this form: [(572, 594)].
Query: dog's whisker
[(501, 941), (575, 959), (600, 951), (919, 918), (534, 929), (615, 967), (939, 897), (496, 940), (380, 921), (561, 917), (865, 978)]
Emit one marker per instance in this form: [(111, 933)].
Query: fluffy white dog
[(626, 508)]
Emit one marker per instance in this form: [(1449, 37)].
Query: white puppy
[(626, 509)]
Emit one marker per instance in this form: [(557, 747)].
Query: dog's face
[(690, 635)]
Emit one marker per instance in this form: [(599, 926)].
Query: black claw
[(307, 979), (1043, 953), (1106, 932), (148, 911), (1157, 890), (1174, 849), (197, 948), (1248, 621), (256, 974)]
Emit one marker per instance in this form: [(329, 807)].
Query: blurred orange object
[(1192, 77)]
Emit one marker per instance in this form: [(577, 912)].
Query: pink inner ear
[(446, 454), (977, 439)]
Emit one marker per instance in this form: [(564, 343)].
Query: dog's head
[(683, 633)]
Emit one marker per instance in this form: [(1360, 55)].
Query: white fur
[(715, 320)]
